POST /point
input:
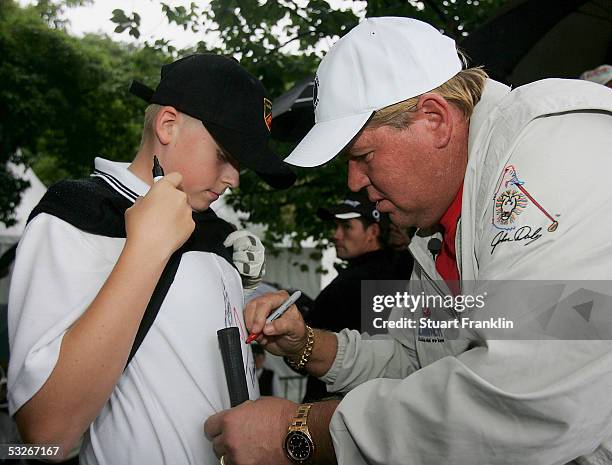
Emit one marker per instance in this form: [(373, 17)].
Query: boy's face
[(207, 171)]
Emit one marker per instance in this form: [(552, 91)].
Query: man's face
[(207, 171), (404, 173), (352, 239)]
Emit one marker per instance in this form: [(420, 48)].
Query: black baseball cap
[(354, 205), (232, 105)]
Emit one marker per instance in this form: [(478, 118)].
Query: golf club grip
[(231, 352)]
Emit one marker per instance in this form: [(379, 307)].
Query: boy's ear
[(166, 124)]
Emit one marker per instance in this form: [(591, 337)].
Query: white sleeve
[(58, 272), (454, 412), (359, 360), (511, 401)]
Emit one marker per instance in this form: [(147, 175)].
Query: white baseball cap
[(380, 62)]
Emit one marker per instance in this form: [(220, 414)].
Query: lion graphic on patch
[(508, 205)]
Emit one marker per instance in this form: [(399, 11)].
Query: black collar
[(95, 207)]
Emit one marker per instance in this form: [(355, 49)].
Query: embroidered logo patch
[(268, 113), (510, 199)]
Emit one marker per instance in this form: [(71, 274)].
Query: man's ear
[(438, 117), (374, 231), (166, 124)]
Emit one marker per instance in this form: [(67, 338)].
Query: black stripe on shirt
[(114, 182)]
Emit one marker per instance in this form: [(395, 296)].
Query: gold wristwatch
[(299, 446)]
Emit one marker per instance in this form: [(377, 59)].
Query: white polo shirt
[(176, 379)]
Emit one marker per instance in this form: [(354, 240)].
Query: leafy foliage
[(131, 23), (456, 18), (67, 97), (64, 100), (281, 42), (51, 11)]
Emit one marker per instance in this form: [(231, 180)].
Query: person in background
[(399, 238), (600, 75), (361, 238), (264, 376)]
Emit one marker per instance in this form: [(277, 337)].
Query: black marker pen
[(158, 171)]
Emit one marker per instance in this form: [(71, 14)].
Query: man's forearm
[(319, 419), (323, 353)]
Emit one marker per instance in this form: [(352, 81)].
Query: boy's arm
[(95, 348)]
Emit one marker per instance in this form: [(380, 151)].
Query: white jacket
[(481, 400)]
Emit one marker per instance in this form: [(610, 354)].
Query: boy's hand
[(161, 221), (249, 257)]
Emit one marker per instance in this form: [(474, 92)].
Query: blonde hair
[(463, 90), (148, 128)]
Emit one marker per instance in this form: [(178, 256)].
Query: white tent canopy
[(29, 198), (10, 235)]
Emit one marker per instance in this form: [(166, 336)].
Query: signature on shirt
[(525, 233)]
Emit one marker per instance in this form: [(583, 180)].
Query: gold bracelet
[(306, 352)]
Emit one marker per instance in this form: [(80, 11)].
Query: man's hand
[(249, 257), (285, 336), (252, 433)]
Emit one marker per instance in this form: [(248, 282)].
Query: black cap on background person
[(354, 205)]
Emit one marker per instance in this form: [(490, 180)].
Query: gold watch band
[(301, 417)]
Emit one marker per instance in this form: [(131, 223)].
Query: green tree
[(63, 100), (281, 42), (67, 97)]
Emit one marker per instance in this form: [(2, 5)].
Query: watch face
[(299, 446)]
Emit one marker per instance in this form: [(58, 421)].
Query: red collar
[(446, 261)]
